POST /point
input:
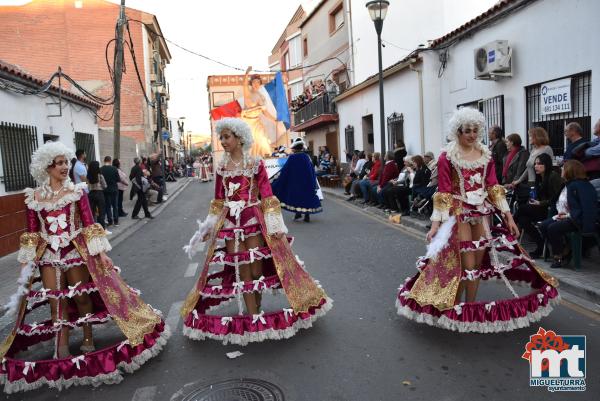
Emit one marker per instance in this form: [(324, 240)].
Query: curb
[(406, 222), (581, 294)]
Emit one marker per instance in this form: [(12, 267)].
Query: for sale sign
[(555, 97)]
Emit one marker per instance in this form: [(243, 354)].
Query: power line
[(229, 65), (135, 65)]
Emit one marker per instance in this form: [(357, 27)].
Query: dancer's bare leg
[(49, 281), (245, 275), (83, 301), (256, 267), (477, 232), (467, 259)]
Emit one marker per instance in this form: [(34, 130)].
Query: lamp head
[(378, 9)]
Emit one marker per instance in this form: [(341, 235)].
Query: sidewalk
[(9, 267), (581, 287)]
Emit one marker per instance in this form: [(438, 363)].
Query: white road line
[(173, 316), (191, 270), (144, 394)]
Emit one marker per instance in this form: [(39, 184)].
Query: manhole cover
[(237, 390)]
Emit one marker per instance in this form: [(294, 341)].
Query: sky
[(236, 32)]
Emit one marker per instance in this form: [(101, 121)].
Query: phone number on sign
[(557, 107)]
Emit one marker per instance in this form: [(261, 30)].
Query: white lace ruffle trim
[(478, 327), (97, 245), (275, 223), (110, 378), (269, 334), (454, 156), (74, 196)]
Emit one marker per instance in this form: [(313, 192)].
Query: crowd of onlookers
[(550, 196), (314, 90), (397, 184), (107, 184)]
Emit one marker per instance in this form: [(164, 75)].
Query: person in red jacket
[(390, 171), (372, 179)]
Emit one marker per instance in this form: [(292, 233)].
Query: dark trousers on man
[(140, 202), (112, 207)]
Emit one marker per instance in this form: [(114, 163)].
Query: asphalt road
[(360, 351)]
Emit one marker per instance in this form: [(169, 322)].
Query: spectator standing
[(547, 187), (111, 193), (516, 159), (577, 210), (122, 186), (96, 186), (399, 154), (539, 140), (574, 135), (139, 188), (80, 168), (498, 149), (157, 171)]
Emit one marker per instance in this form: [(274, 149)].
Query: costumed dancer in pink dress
[(65, 269), (466, 247), (252, 255), (205, 173)]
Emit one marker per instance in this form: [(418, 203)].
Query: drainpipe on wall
[(351, 37), (421, 111)]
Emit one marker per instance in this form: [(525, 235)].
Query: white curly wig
[(466, 116), (239, 128), (44, 156)]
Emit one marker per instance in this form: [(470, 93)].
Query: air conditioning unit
[(494, 60)]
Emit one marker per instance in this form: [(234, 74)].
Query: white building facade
[(551, 47)]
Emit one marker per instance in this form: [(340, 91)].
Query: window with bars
[(86, 142), (349, 134), (395, 124), (554, 124), (17, 144)]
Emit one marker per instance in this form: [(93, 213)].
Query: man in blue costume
[(296, 184)]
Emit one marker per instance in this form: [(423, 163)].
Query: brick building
[(42, 35)]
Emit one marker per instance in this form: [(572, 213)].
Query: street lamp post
[(377, 11)]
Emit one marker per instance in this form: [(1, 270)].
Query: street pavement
[(360, 351)]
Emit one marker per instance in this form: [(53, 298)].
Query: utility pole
[(118, 71)]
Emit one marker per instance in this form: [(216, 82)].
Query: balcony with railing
[(318, 111)]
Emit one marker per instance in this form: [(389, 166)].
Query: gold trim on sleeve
[(271, 205), (497, 195), (442, 201), (93, 231), (216, 205), (29, 240)]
